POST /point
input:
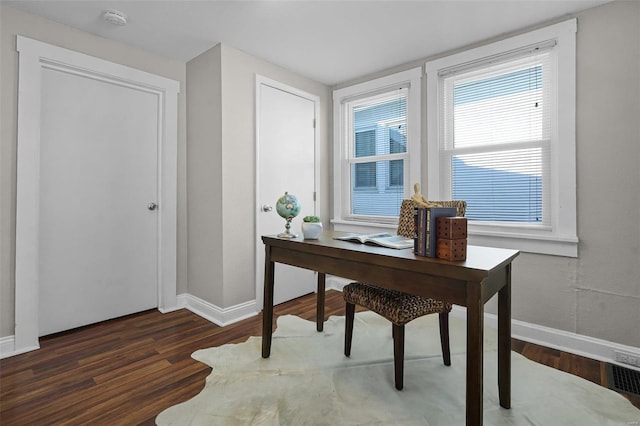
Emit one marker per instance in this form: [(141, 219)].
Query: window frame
[(411, 79), (560, 237)]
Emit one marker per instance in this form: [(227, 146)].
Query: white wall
[(13, 22)]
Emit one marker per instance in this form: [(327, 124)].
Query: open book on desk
[(384, 240)]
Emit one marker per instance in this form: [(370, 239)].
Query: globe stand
[(287, 233)]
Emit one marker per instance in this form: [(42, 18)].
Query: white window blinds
[(497, 121)]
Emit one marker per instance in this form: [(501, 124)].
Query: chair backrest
[(406, 224)]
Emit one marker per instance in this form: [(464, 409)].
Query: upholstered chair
[(398, 307)]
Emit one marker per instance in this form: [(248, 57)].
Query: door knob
[(266, 208), (152, 206)]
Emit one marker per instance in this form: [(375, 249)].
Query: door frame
[(260, 81), (34, 57)]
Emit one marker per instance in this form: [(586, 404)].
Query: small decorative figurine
[(418, 198)]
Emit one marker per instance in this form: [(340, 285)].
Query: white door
[(97, 142), (98, 236), (286, 162)]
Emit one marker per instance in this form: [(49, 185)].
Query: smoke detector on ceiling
[(115, 17)]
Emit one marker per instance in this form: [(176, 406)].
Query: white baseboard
[(565, 341), (590, 347), (177, 307), (215, 314), (8, 347)]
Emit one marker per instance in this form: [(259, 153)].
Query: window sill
[(539, 244)]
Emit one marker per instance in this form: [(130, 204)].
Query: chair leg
[(348, 327), (444, 337), (398, 354)]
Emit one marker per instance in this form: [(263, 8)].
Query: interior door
[(98, 176), (286, 163)]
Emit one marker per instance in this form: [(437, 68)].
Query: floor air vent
[(623, 379)]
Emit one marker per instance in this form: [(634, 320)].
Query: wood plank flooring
[(125, 371)]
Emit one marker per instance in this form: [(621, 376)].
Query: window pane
[(396, 173), (365, 143), (500, 186), (384, 197), (507, 107), (397, 144), (365, 175), (397, 138), (380, 125)]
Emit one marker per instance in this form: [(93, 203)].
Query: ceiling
[(327, 41)]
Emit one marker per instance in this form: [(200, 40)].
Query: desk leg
[(475, 352), (267, 309), (504, 341), (320, 302)]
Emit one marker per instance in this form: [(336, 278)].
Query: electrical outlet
[(627, 358)]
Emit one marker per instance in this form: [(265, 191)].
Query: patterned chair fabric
[(396, 306)]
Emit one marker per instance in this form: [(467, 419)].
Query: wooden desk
[(471, 283)]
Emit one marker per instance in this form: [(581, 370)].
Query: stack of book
[(425, 235), (451, 234)]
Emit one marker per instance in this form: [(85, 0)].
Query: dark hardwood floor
[(125, 371)]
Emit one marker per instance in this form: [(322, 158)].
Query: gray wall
[(605, 281), (13, 22), (227, 277), (204, 175)]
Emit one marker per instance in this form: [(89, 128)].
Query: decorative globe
[(288, 207)]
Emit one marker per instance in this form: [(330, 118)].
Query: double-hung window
[(496, 139), (377, 135), (501, 125)]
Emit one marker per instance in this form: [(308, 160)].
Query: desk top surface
[(478, 258)]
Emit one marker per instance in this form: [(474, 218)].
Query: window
[(496, 138), (377, 127), (501, 137), (373, 136)]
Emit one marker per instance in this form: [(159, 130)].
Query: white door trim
[(34, 56), (261, 80)]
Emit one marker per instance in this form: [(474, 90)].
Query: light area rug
[(308, 381)]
